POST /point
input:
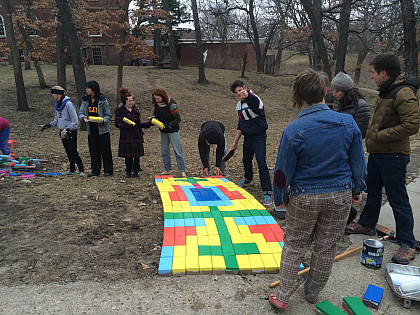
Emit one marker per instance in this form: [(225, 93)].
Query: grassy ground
[(73, 228)]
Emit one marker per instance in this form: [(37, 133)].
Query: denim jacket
[(103, 111), (319, 152)]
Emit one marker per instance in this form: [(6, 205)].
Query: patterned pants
[(319, 219)]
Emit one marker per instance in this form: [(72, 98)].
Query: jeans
[(165, 140), (4, 141), (100, 149), (389, 170), (222, 164), (256, 145), (70, 145)]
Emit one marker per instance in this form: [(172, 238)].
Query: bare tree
[(14, 50), (61, 56), (200, 58), (341, 52), (410, 44), (171, 39), (123, 33)]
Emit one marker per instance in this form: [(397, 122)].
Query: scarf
[(59, 105)]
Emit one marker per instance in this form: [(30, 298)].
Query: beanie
[(342, 82), (58, 90)]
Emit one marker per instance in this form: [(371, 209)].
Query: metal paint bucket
[(372, 253)]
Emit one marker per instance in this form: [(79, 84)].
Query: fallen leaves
[(144, 266)]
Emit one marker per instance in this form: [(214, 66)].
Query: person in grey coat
[(66, 120), (348, 100)]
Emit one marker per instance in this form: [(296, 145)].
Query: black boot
[(135, 175), (128, 174)]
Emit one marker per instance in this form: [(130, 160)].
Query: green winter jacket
[(396, 116)]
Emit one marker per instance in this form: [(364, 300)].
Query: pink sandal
[(275, 302)]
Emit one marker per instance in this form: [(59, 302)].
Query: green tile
[(178, 215), (231, 263), (230, 214), (188, 215), (228, 249), (204, 250), (245, 213), (207, 214), (168, 215), (252, 248), (216, 250), (240, 249), (214, 208), (222, 229), (197, 214), (254, 212), (264, 213)]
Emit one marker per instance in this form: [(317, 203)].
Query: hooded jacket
[(396, 116), (103, 111), (65, 116)]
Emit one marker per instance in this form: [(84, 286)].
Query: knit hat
[(58, 90), (342, 82)]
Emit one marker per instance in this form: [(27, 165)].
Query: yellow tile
[(167, 203), (263, 247), (169, 187), (176, 204), (212, 230), (229, 221), (191, 264), (165, 197), (236, 238), (244, 230), (161, 187), (243, 262), (257, 205), (247, 204), (201, 230), (195, 209), (177, 209), (205, 263), (238, 204), (204, 208), (218, 263), (277, 258), (203, 240), (185, 204), (256, 263), (192, 240), (179, 250), (214, 240), (233, 229), (178, 265), (186, 208), (275, 247), (192, 250), (210, 221), (247, 238), (270, 263)]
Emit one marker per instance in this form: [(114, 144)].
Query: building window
[(95, 33), (33, 31), (97, 55), (2, 29)]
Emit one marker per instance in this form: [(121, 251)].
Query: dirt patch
[(70, 228)]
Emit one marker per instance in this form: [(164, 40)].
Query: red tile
[(190, 230)]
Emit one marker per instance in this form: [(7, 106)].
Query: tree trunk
[(200, 58), (123, 33), (171, 38), (27, 59), (74, 44), (256, 38), (343, 36), (61, 57), (244, 58), (158, 47), (278, 57), (316, 59), (107, 55), (14, 50), (410, 44), (360, 58), (29, 47), (315, 16)]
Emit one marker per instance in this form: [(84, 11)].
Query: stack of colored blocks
[(212, 226)]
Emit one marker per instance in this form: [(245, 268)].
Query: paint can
[(372, 253)]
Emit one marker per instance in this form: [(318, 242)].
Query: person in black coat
[(348, 100), (212, 132), (130, 146)]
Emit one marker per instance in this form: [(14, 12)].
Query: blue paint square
[(199, 222), (165, 265), (179, 222), (269, 219), (189, 222), (259, 220), (167, 251), (239, 221), (158, 180), (250, 221), (373, 294), (169, 223)]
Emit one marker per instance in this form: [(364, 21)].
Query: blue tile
[(179, 222), (169, 223), (165, 265), (281, 244), (250, 221), (167, 251), (240, 221), (199, 222), (158, 180), (269, 219), (189, 222), (259, 220)]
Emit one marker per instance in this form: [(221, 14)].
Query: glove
[(69, 134), (149, 119), (46, 126), (148, 125)]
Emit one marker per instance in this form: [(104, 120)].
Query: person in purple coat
[(130, 146)]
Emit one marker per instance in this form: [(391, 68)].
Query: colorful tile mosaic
[(213, 226)]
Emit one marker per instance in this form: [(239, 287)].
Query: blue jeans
[(4, 141), (389, 170), (165, 140), (222, 165), (256, 145)]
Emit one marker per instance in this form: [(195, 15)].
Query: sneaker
[(356, 228), (276, 303), (166, 172), (243, 183), (183, 174), (82, 174), (128, 174), (268, 200), (404, 255), (69, 173)]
